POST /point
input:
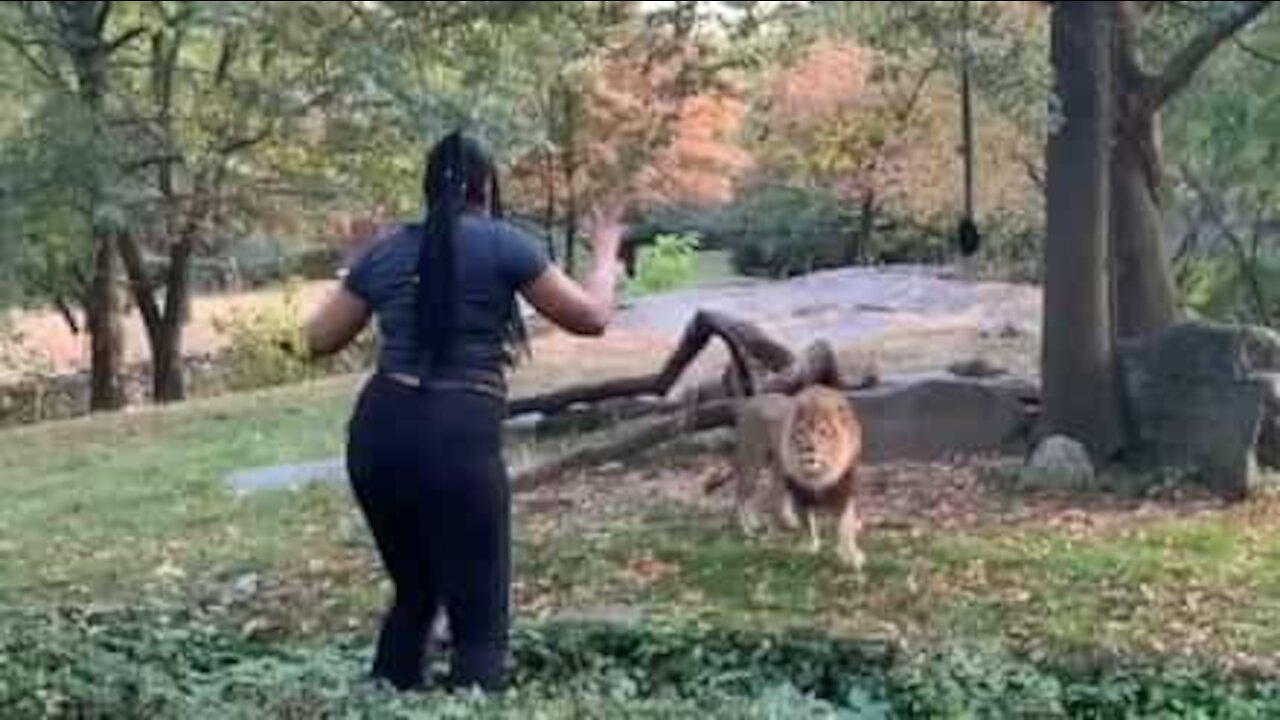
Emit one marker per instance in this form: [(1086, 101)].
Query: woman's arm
[(337, 322), (584, 308)]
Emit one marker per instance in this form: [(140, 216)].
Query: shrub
[(670, 262), (1216, 288), (259, 342), (781, 230), (73, 663)]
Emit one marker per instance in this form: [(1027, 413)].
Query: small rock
[(1059, 462), (244, 588), (1005, 331)]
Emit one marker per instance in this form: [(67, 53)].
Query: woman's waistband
[(491, 384)]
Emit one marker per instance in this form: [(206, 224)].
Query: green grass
[(1170, 587), (115, 507), (715, 266), (133, 509)]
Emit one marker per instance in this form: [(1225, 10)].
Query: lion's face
[(823, 436)]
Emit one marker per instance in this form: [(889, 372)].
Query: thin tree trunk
[(163, 325), (168, 375), (105, 330), (82, 28), (866, 225), (549, 182), (570, 221), (1080, 395)]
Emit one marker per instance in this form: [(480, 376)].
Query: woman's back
[(425, 460), (492, 261)]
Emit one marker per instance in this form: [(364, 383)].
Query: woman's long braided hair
[(459, 174)]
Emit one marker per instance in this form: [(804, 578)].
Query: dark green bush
[(779, 230), (1218, 289), (149, 664)]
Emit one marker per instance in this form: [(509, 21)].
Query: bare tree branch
[(143, 290), (23, 46), (126, 38), (1247, 261), (1183, 66), (235, 145), (150, 161), (103, 12), (1255, 53)]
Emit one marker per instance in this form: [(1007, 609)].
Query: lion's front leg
[(848, 529), (785, 504), (815, 537), (748, 519)]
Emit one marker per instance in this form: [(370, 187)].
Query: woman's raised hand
[(605, 228)]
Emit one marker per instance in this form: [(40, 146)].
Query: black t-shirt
[(493, 259)]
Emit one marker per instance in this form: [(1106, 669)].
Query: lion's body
[(809, 445)]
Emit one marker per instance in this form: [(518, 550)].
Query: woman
[(425, 442)]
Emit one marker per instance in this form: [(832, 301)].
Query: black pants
[(427, 470)]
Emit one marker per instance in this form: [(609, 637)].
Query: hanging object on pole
[(967, 235)]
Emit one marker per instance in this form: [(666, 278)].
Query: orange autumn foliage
[(848, 119)]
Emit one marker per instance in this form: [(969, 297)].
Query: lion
[(810, 445)]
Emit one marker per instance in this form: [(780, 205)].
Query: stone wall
[(41, 398)]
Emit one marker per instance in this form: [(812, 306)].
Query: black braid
[(458, 173)]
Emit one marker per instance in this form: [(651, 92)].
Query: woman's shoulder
[(499, 227), (365, 265)]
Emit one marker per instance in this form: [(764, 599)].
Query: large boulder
[(935, 418), (1201, 398), (1059, 463)]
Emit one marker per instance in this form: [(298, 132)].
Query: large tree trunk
[(1078, 363)]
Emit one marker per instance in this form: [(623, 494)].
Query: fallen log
[(697, 419), (817, 365), (924, 420), (749, 345)]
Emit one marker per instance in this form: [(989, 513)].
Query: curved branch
[(816, 366), (1184, 65), (745, 341)]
